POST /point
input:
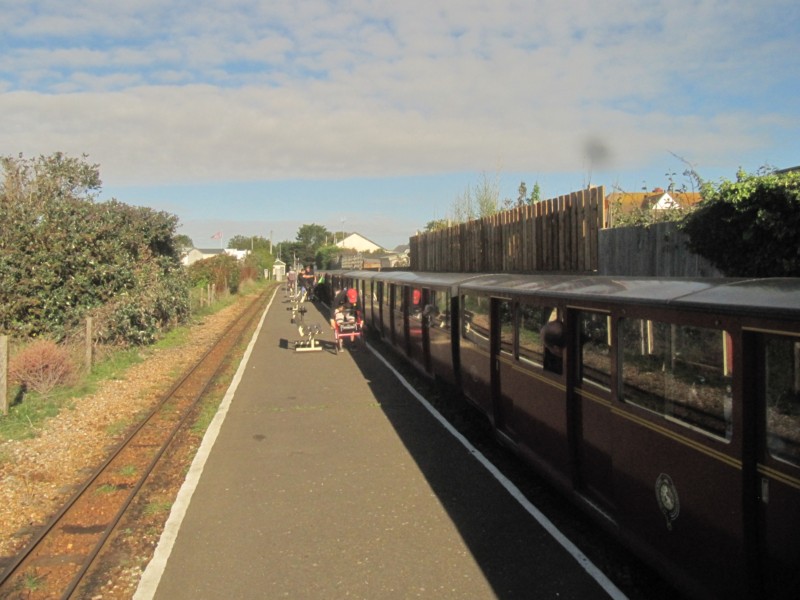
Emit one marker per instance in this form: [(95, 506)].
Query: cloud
[(194, 91)]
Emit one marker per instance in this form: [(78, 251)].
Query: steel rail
[(230, 335)]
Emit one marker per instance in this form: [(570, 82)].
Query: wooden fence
[(658, 250), (560, 234)]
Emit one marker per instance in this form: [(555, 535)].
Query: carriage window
[(398, 299), (387, 296), (415, 312), (595, 355), (475, 321), (782, 381), (505, 311), (531, 321), (678, 371), (440, 314)]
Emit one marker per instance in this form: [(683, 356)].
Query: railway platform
[(323, 477)]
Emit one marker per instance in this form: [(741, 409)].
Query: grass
[(118, 427), (154, 508), (204, 418), (30, 410), (128, 471), (33, 582)]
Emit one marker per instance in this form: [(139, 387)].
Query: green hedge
[(64, 256)]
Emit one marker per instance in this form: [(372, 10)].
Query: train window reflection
[(595, 355), (440, 315), (475, 321), (505, 312), (415, 309), (782, 381), (399, 300), (678, 371), (531, 321)]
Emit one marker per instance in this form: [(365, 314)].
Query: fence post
[(88, 359), (4, 373)]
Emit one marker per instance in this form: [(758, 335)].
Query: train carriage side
[(643, 419), (767, 406), (364, 283), (420, 319)]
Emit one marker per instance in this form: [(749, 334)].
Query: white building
[(356, 241), (195, 254)]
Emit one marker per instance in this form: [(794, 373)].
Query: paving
[(323, 477)]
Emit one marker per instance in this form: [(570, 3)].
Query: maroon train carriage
[(416, 318), (669, 409)]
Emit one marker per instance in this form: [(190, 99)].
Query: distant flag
[(217, 236)]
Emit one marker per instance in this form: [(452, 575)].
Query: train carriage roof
[(744, 296), (415, 278), (758, 297), (596, 286), (773, 296)]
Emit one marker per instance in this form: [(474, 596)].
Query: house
[(658, 199), (278, 270), (196, 254), (356, 241)]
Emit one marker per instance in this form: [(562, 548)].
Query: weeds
[(31, 409), (106, 488), (154, 508)]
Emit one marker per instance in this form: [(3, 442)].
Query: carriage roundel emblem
[(667, 498)]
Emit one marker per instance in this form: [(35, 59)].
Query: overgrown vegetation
[(42, 366), (220, 271), (643, 217), (749, 227), (64, 257), (25, 418)]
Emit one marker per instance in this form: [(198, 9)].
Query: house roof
[(628, 202), (356, 236)]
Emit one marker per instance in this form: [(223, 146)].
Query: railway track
[(60, 558)]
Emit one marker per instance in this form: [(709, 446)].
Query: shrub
[(65, 255), (750, 227), (41, 366)]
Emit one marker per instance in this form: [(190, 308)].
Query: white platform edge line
[(151, 577), (604, 582)]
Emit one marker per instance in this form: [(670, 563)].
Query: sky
[(255, 117)]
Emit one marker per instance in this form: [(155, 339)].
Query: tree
[(536, 194), (248, 242), (309, 239), (437, 224), (487, 196), (482, 201), (522, 198), (184, 242), (313, 236), (750, 227), (63, 256)]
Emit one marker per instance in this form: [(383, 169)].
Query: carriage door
[(778, 477), (591, 415), (425, 329)]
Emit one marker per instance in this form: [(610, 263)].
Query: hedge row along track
[(59, 559)]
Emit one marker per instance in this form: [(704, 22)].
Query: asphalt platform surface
[(322, 476)]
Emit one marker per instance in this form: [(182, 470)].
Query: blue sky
[(254, 117)]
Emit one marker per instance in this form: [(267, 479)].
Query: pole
[(3, 373), (88, 350)]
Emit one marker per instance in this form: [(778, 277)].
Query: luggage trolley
[(349, 327), (348, 322)]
